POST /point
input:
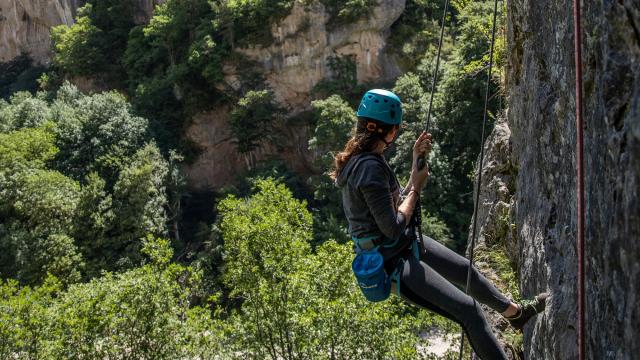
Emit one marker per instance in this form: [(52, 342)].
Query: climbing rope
[(435, 75), (477, 199), (421, 162), (580, 163)]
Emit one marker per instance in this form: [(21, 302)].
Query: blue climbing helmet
[(381, 105)]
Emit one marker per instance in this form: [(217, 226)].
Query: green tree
[(38, 227), (35, 211), (25, 319), (252, 119), (79, 49), (93, 46), (335, 122), (295, 303), (142, 313), (26, 149), (346, 12), (249, 21), (139, 198), (96, 133), (93, 218), (23, 110)]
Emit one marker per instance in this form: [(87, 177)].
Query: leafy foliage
[(414, 36), (96, 133), (249, 20), (37, 205), (79, 48), (143, 313), (335, 121), (296, 303), (346, 12), (23, 110), (49, 222), (251, 120)]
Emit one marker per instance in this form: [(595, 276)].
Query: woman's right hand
[(422, 146)]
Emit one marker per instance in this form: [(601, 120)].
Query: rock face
[(25, 26), (292, 65), (220, 163), (298, 58), (541, 79), (495, 252)]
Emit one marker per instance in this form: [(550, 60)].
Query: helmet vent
[(370, 96), (392, 114), (393, 106), (385, 100), (376, 101)]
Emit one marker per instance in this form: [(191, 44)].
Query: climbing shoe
[(527, 310)]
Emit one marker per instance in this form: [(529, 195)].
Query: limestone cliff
[(292, 65), (495, 252), (25, 26), (297, 60), (540, 85)]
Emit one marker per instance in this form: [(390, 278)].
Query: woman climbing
[(380, 213)]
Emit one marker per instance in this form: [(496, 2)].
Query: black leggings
[(429, 283)]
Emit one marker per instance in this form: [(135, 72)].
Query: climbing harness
[(368, 264), (577, 36)]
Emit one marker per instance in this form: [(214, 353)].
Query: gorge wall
[(292, 65), (540, 84), (25, 26)]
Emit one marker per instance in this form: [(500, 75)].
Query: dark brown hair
[(367, 133)]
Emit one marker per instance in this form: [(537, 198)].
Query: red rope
[(580, 164)]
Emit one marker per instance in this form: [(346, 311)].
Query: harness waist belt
[(368, 243)]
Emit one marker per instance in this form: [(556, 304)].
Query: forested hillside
[(164, 191)]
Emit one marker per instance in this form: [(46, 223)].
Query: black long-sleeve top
[(370, 198)]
